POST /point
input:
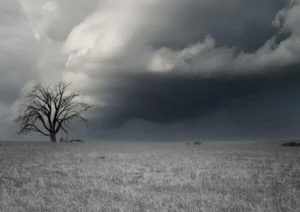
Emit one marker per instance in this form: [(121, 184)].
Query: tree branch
[(31, 127), (52, 108)]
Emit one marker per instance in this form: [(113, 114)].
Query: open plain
[(115, 176)]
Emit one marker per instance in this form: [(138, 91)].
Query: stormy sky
[(158, 70)]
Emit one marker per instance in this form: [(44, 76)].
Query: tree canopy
[(50, 109)]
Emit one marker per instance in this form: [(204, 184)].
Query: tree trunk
[(53, 137)]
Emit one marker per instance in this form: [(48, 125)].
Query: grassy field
[(140, 177)]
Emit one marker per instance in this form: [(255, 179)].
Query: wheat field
[(116, 176)]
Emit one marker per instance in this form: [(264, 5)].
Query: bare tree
[(47, 110)]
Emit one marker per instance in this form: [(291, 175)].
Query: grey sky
[(163, 70)]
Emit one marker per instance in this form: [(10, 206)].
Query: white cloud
[(285, 53), (205, 57), (56, 18), (202, 56), (106, 36)]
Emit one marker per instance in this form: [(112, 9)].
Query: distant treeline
[(291, 143)]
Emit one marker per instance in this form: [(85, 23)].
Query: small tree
[(47, 110)]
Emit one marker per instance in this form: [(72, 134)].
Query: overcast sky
[(159, 70)]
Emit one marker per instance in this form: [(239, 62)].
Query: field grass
[(140, 177)]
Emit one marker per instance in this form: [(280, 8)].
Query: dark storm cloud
[(242, 24), (164, 107), (169, 98)]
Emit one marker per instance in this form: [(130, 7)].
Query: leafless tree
[(47, 110)]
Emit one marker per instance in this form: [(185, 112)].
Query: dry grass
[(149, 177)]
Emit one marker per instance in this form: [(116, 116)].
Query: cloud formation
[(168, 62)]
